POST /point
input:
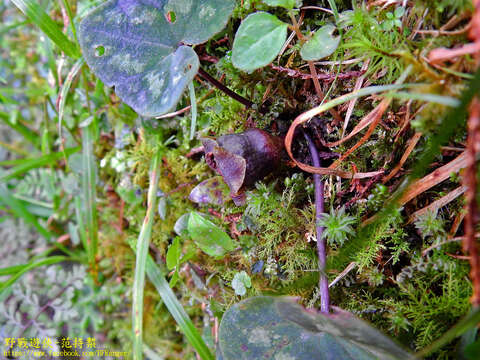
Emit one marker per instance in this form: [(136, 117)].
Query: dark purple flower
[(244, 158)]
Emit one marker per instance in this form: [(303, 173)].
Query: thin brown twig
[(320, 76), (435, 177), (437, 204), (313, 71), (455, 239), (377, 117), (412, 143), (351, 104)]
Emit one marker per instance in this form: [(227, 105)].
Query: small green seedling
[(261, 36)]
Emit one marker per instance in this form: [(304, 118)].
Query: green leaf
[(39, 17), (173, 254), (89, 191), (21, 166), (208, 236), (141, 258), (181, 225), (321, 45), (129, 195), (174, 279), (279, 328), (258, 40), (137, 46), (287, 4), (399, 11), (241, 281), (22, 269), (162, 207), (19, 209)]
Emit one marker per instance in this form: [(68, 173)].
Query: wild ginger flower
[(243, 158)]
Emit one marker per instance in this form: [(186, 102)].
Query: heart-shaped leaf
[(322, 44), (137, 46), (209, 237), (241, 281), (279, 328), (257, 41)]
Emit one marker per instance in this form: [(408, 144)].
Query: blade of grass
[(39, 17), (62, 96), (10, 270), (141, 259), (89, 191), (24, 165), (70, 18), (81, 225), (18, 208), (28, 134), (32, 265), (6, 29), (439, 99)]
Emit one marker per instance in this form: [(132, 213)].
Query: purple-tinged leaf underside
[(138, 47), (268, 327)]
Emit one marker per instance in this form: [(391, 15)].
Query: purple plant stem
[(319, 209)]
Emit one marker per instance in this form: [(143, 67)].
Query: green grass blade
[(439, 99), (176, 309), (39, 17), (6, 29), (11, 270), (68, 8), (47, 261), (18, 209), (24, 165), (64, 93), (28, 134), (89, 184), (81, 225), (142, 252)]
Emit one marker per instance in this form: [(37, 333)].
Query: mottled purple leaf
[(137, 46), (211, 191), (279, 328)]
